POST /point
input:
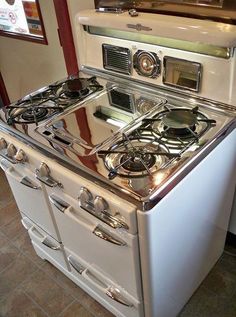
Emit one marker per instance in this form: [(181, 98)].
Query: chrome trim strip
[(139, 27)]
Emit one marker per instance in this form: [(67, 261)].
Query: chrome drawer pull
[(43, 174), (28, 183), (9, 159), (101, 233), (115, 294), (77, 266), (50, 245), (58, 203)]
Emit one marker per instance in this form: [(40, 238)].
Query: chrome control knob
[(100, 204), (11, 150), (3, 144), (85, 196), (133, 13), (20, 156)]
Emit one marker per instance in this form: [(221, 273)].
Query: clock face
[(147, 64), (11, 2)]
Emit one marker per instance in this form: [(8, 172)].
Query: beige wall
[(26, 66), (74, 6)]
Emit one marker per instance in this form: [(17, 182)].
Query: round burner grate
[(34, 114)]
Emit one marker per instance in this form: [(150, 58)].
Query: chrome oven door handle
[(102, 234), (115, 294), (77, 266), (58, 203), (47, 180), (28, 183)]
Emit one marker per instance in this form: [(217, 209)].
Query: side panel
[(183, 236)]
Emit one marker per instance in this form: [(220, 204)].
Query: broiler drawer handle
[(115, 294), (77, 266), (101, 233), (50, 245), (58, 203)]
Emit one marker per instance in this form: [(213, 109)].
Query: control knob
[(20, 156), (3, 144), (11, 150), (100, 205), (85, 196)]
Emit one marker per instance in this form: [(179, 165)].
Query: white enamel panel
[(184, 235), (120, 262), (166, 26)]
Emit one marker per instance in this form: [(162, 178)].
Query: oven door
[(29, 195)]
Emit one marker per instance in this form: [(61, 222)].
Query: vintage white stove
[(125, 175)]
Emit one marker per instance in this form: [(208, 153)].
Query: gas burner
[(34, 114), (78, 88), (28, 113), (135, 156), (179, 126)]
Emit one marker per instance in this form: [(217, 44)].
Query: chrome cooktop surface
[(130, 136)]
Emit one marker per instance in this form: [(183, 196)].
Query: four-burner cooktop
[(130, 136)]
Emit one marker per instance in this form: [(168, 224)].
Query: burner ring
[(127, 163), (30, 114)]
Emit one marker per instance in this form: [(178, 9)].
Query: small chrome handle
[(58, 203), (101, 233), (27, 182), (115, 294), (50, 244), (77, 266), (9, 159), (43, 174)]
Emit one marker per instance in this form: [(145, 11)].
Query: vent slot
[(117, 59)]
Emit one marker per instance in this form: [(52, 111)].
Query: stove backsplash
[(139, 48)]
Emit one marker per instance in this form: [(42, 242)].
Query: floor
[(31, 287)]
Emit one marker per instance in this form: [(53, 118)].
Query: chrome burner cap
[(180, 119)]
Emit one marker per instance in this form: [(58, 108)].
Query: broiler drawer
[(103, 288)]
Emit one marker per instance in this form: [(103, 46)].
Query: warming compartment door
[(29, 195)]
